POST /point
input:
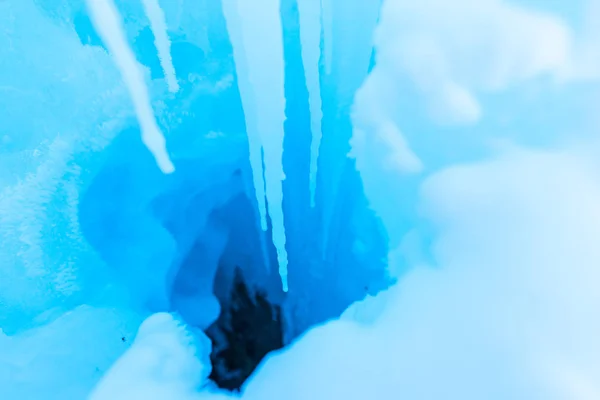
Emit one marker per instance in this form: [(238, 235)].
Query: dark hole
[(246, 331)]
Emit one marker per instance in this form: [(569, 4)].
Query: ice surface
[(163, 45), (310, 34), (107, 21)]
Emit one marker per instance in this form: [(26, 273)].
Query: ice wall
[(347, 55)]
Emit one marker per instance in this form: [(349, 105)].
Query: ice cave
[(299, 199)]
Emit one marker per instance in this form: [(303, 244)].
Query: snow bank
[(508, 312), (166, 360)]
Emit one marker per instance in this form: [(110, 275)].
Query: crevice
[(248, 329)]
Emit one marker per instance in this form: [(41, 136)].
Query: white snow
[(166, 361), (262, 42), (107, 22), (310, 37), (161, 39)]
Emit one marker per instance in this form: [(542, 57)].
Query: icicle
[(161, 40), (232, 20), (327, 20), (107, 22), (261, 33), (310, 37)]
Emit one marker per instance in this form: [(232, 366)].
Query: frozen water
[(161, 39), (106, 19), (351, 51), (310, 34)]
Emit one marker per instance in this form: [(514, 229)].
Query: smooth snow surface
[(161, 39), (310, 36), (107, 21)]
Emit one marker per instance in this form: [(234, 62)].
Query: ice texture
[(107, 21), (351, 51), (161, 39)]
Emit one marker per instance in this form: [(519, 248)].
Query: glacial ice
[(445, 248)]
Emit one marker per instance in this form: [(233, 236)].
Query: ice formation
[(161, 39), (443, 246), (107, 21), (310, 34), (262, 53)]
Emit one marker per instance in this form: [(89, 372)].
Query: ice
[(163, 45), (234, 27), (310, 34), (327, 24), (262, 44), (106, 20)]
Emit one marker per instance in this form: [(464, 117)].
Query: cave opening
[(191, 243)]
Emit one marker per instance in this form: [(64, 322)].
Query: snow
[(310, 35), (106, 20), (166, 360), (163, 45)]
